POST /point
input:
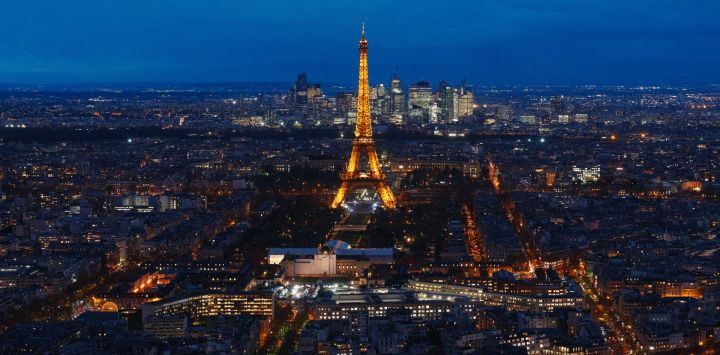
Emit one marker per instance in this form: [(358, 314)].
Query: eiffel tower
[(353, 178)]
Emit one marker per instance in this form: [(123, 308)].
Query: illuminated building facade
[(197, 307), (470, 168), (509, 300), (586, 174), (353, 178), (377, 304), (328, 261)]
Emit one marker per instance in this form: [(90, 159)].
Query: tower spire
[(363, 30)]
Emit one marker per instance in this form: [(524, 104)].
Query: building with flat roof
[(331, 259), (166, 326), (509, 300), (199, 306), (377, 303)]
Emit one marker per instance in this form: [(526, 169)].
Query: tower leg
[(386, 195), (354, 160), (340, 196), (373, 162)]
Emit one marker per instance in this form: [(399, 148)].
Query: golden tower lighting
[(353, 178)]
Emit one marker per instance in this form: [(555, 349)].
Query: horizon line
[(9, 85)]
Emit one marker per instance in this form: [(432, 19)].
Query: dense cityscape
[(389, 216)]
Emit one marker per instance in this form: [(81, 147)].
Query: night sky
[(489, 42)]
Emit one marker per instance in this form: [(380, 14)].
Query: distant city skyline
[(489, 42)]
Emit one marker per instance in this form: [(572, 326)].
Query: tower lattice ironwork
[(353, 178)]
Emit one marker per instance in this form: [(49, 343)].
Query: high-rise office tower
[(313, 91), (396, 101), (378, 100), (448, 102), (466, 101), (301, 83), (419, 99), (397, 96), (300, 89), (456, 105), (420, 95), (347, 106), (433, 112)]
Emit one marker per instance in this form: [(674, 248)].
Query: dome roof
[(337, 244)]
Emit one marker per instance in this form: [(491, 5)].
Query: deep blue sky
[(490, 42)]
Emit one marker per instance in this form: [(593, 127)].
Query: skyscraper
[(420, 95), (300, 90), (398, 97), (419, 100), (347, 106), (378, 100), (448, 102), (466, 103), (313, 91), (397, 100)]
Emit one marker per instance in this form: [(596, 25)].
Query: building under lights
[(511, 301), (378, 303), (335, 258), (586, 174), (199, 306), (470, 168)]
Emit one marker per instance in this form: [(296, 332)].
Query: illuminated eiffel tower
[(353, 178)]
